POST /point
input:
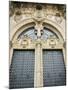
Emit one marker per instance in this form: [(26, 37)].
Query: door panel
[(53, 68), (22, 69)]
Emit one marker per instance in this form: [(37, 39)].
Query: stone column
[(38, 79), (38, 75)]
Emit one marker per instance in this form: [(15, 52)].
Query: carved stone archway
[(41, 28), (27, 43)]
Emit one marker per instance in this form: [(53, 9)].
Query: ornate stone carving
[(58, 18), (25, 41), (52, 41), (22, 41), (39, 10), (38, 41), (38, 15), (39, 29), (18, 15)]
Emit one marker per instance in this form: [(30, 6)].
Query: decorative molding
[(38, 14), (52, 41), (38, 10)]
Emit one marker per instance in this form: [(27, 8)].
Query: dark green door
[(22, 69), (53, 68)]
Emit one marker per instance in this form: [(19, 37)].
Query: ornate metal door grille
[(53, 68), (22, 69)]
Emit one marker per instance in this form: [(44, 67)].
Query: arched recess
[(23, 25)]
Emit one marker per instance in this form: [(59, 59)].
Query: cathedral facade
[(37, 44)]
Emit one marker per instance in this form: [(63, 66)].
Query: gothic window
[(48, 33), (30, 32)]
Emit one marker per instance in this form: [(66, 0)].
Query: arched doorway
[(37, 58)]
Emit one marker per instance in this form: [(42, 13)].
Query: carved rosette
[(22, 42), (52, 41)]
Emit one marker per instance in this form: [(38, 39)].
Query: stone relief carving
[(27, 42), (58, 18), (18, 15), (52, 41), (38, 12), (22, 41), (38, 41), (38, 29)]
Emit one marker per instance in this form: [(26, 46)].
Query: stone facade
[(25, 15)]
